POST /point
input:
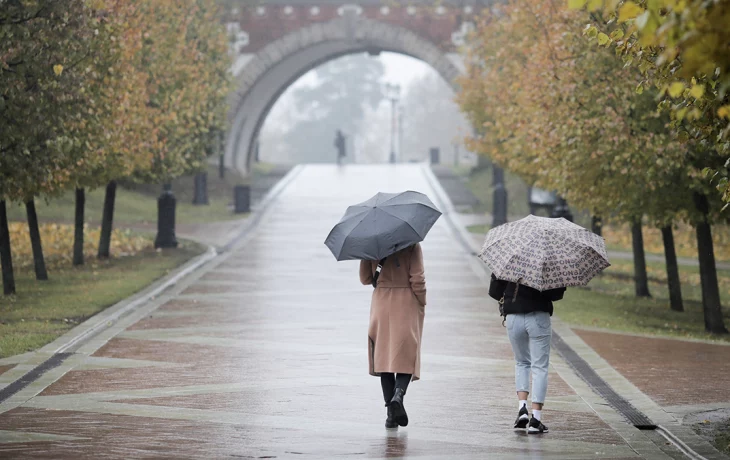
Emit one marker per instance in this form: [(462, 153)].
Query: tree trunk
[(220, 150), (675, 286), (597, 225), (711, 305), (35, 242), (499, 197), (107, 219), (5, 256), (640, 277), (79, 227)]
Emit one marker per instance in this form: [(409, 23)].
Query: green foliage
[(97, 90), (681, 49), (565, 114), (48, 55), (184, 58)]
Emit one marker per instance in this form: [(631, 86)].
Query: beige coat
[(396, 312)]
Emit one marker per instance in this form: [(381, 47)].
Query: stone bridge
[(277, 41)]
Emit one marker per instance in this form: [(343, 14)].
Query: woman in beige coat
[(396, 325)]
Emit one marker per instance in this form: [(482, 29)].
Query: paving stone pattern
[(671, 372)]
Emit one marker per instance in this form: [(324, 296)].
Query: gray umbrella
[(382, 225)]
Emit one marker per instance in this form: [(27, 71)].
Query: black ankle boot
[(397, 408), (390, 420)]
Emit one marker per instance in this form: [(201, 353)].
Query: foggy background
[(349, 94)]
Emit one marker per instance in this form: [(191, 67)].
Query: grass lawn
[(479, 229), (609, 303), (43, 311), (480, 184), (138, 203), (722, 438), (717, 432)]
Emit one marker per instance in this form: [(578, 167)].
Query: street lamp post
[(392, 92), (400, 134)]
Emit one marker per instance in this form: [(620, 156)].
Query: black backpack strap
[(376, 275)]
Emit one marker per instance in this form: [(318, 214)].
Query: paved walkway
[(262, 354)]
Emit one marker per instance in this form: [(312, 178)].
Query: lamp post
[(400, 134), (392, 93)]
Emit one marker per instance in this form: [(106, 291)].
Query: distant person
[(527, 312), (340, 145), (397, 310)]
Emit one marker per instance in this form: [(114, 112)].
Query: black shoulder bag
[(376, 275), (501, 302)]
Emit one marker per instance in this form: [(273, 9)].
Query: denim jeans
[(529, 335)]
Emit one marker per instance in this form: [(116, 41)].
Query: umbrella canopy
[(382, 225), (544, 253)]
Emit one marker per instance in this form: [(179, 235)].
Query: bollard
[(166, 219), (435, 155), (200, 195), (242, 199)]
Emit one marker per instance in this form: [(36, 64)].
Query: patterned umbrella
[(544, 253)]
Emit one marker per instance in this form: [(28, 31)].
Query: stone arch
[(275, 67)]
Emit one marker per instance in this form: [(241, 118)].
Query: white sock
[(537, 414), (523, 403)]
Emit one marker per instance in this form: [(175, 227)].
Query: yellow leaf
[(628, 11), (58, 69), (576, 4), (603, 39), (697, 91), (617, 34), (724, 111), (676, 89)]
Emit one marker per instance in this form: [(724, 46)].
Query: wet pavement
[(263, 354)]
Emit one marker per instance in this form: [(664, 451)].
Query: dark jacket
[(527, 299)]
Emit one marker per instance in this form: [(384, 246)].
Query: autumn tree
[(565, 115), (680, 48), (45, 66), (178, 59)]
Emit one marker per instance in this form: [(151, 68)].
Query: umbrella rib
[(394, 196), (346, 237), (408, 223)]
